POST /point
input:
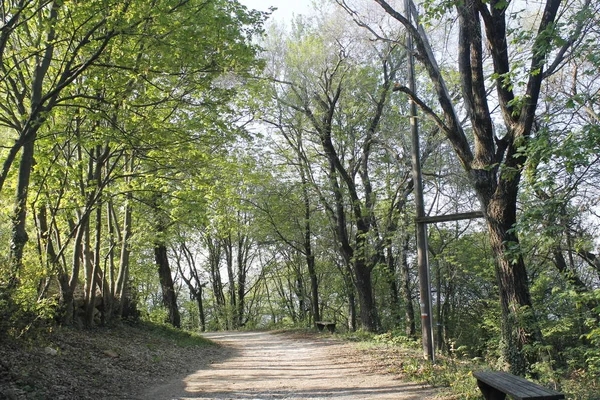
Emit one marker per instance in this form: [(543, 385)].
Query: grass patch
[(179, 337)]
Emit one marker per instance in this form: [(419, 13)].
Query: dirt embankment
[(99, 364)]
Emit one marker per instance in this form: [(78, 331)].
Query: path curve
[(265, 366)]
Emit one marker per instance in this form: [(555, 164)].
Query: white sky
[(286, 9)]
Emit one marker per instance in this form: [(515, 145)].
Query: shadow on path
[(260, 365)]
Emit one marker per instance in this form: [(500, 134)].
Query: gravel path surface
[(261, 366)]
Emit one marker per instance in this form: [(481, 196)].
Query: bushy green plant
[(396, 338), (157, 315)]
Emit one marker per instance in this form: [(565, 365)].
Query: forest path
[(260, 366)]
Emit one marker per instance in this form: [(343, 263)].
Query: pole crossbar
[(449, 217)]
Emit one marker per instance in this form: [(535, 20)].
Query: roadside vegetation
[(397, 354)]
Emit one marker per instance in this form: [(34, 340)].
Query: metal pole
[(424, 280)]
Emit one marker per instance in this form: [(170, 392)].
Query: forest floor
[(141, 363)]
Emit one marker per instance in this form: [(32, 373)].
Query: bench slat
[(517, 387)]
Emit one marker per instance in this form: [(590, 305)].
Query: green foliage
[(180, 337), (593, 352), (21, 315), (395, 338)]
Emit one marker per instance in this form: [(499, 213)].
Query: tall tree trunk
[(352, 310), (241, 284), (439, 314), (19, 234), (199, 300), (69, 284), (27, 138), (228, 247), (109, 289), (307, 242), (122, 283), (66, 295), (362, 272), (393, 284), (518, 328), (308, 253), (90, 308), (364, 288), (300, 295), (90, 279), (166, 282), (410, 325), (214, 260)]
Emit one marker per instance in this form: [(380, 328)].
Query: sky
[(286, 9)]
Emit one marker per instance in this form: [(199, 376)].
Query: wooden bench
[(324, 324), (496, 385)]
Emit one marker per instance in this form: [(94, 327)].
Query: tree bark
[(199, 300), (409, 312), (166, 282), (214, 260), (19, 234), (393, 285), (123, 274), (228, 248), (242, 272), (518, 327), (308, 251)]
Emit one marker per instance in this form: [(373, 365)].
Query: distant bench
[(325, 324), (496, 385)]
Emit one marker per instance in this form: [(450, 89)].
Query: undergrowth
[(403, 356), (180, 337)]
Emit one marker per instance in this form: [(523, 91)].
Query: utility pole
[(424, 279)]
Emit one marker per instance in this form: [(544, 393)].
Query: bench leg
[(490, 393)]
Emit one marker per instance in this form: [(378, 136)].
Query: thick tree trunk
[(166, 282), (214, 259), (518, 328), (364, 288), (19, 233), (352, 310), (355, 260)]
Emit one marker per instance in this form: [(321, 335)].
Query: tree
[(342, 98), (90, 89), (490, 151)]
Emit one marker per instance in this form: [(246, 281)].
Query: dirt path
[(261, 366)]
